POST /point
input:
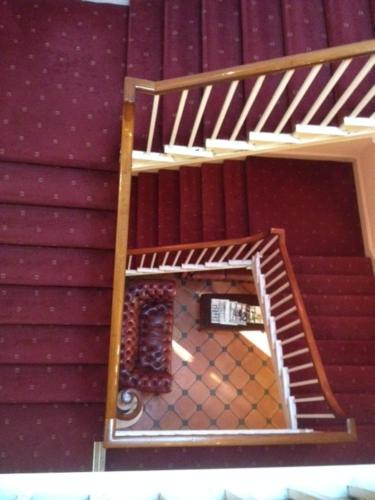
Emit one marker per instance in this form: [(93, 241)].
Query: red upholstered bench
[(146, 343)]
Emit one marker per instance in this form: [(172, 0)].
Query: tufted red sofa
[(146, 342)]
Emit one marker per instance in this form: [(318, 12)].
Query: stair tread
[(213, 202), (236, 219), (343, 379), (52, 383), (45, 344), (57, 226), (147, 210), (336, 284), (340, 265), (35, 265), (56, 186), (343, 327), (190, 205), (58, 437), (347, 352), (169, 209), (352, 305), (355, 405), (54, 305)]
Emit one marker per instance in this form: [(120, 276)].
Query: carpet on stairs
[(62, 70)]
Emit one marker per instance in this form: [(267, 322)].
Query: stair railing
[(291, 338), (190, 257), (262, 84), (297, 359), (295, 354), (359, 56)]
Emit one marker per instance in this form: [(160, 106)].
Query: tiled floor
[(221, 380)]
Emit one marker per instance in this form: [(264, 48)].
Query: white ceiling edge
[(115, 2)]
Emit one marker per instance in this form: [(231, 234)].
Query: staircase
[(339, 291), (58, 200)]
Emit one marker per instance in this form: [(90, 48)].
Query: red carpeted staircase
[(62, 68)]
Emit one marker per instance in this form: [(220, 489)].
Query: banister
[(241, 72), (122, 226), (309, 335), (196, 246), (296, 293)]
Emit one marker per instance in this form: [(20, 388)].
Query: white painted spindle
[(199, 115), (249, 103), (298, 97), (276, 96), (228, 99), (177, 120), (327, 89), (363, 102), (151, 131), (349, 91)]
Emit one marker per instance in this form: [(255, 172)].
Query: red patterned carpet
[(61, 73)]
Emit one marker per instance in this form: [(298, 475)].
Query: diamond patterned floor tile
[(220, 379)]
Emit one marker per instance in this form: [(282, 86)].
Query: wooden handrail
[(309, 335), (191, 246), (241, 72), (122, 226)]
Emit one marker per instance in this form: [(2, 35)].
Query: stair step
[(190, 205), (353, 305), (332, 265), (52, 383), (46, 344), (336, 284), (169, 209), (57, 437), (54, 305), (213, 202), (56, 186), (147, 210), (343, 327), (343, 379), (61, 227), (41, 266), (356, 405), (345, 352), (236, 219)]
